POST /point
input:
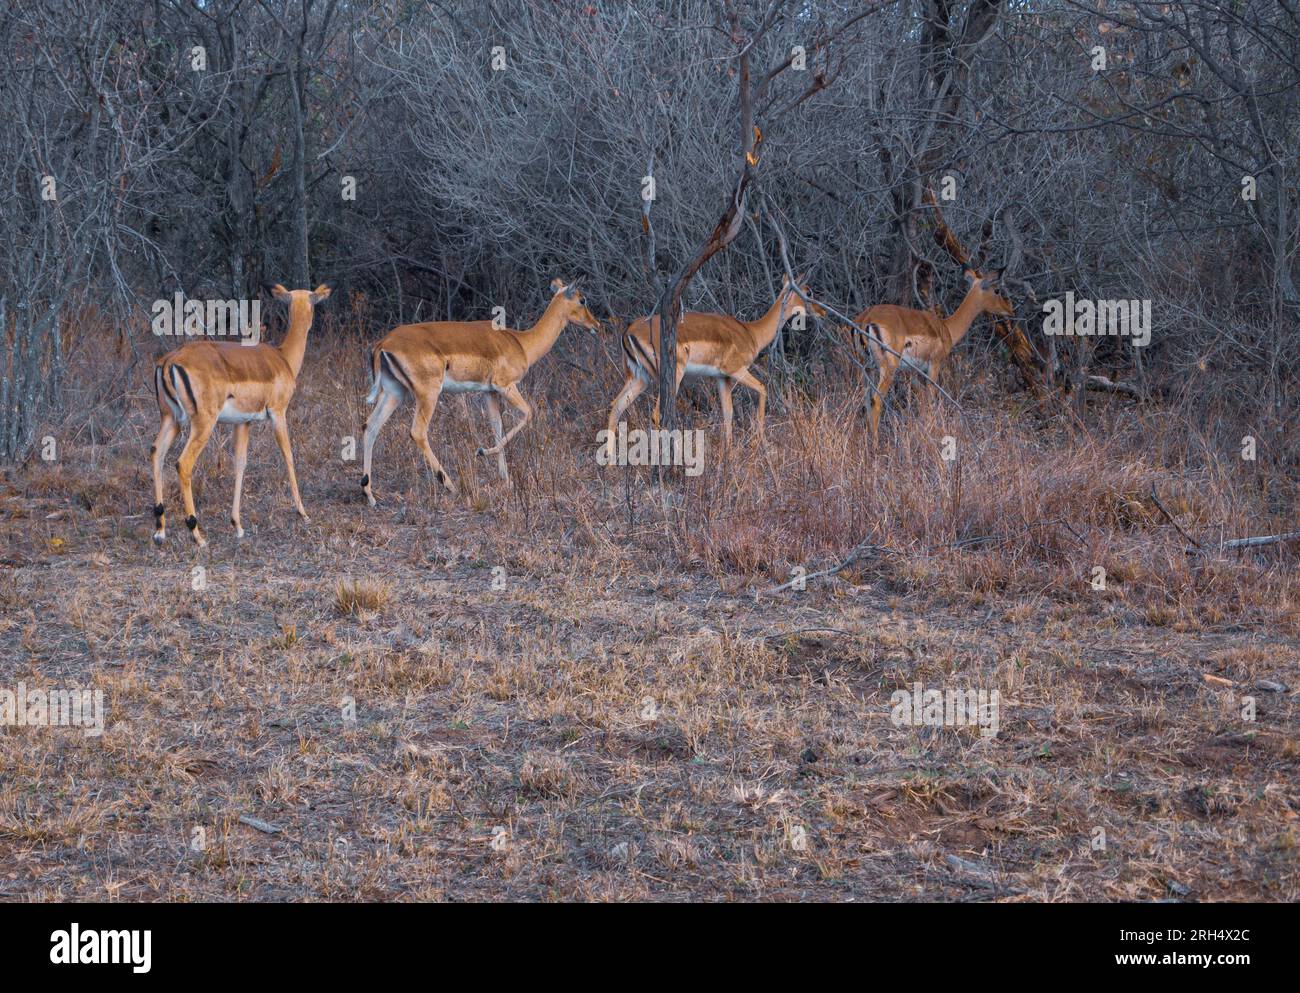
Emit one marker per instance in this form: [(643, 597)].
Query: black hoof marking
[(191, 522), (365, 481), (158, 511)]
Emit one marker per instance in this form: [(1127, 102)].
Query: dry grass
[(577, 688), (359, 597)]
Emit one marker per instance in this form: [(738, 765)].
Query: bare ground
[(570, 689)]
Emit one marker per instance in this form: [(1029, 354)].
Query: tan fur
[(421, 360), (922, 336), (203, 382), (719, 342)]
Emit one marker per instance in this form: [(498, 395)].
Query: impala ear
[(971, 276), (321, 292), (557, 284), (279, 292)]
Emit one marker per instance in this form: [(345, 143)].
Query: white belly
[(703, 370), (450, 385), (230, 414)]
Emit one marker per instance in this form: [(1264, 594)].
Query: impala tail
[(376, 381), (388, 374), (861, 338)]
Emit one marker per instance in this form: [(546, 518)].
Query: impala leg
[(933, 387), (887, 371), (241, 460), (746, 378), (161, 445), (494, 415), (281, 427), (200, 432), (516, 400), (632, 389), (725, 386), (374, 424), (424, 407)]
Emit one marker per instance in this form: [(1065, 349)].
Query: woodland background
[(474, 187)]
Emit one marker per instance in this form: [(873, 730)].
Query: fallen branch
[(1266, 539), (1110, 386), (853, 556), (257, 824), (1256, 542)]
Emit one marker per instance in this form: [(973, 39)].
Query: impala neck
[(540, 338), (295, 342), (960, 320), (765, 328)]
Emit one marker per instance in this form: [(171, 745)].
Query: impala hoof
[(481, 451), (159, 537)]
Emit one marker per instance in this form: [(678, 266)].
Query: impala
[(921, 339), (207, 383), (420, 361), (715, 346)]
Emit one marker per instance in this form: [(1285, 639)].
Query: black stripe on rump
[(166, 386), (397, 371), (189, 389), (647, 360)]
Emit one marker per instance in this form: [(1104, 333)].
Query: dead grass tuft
[(359, 597)]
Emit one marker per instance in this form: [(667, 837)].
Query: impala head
[(310, 297), (575, 305), (985, 286), (794, 303)]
